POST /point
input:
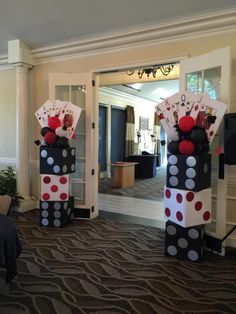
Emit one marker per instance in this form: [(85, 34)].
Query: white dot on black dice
[(44, 205), (64, 168), (73, 152), (171, 230), (56, 222), (65, 206), (191, 173), (183, 243), (64, 153), (56, 205), (193, 234), (173, 181), (191, 161), (189, 184), (57, 214), (193, 255), (44, 153), (172, 159), (44, 221), (44, 213), (173, 170), (205, 168), (50, 161), (171, 249), (56, 169)]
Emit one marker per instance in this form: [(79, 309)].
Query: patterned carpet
[(151, 189), (103, 266)]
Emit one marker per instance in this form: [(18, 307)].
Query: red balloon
[(186, 147), (54, 122), (186, 123), (50, 138)]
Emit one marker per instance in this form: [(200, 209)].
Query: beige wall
[(135, 56), (120, 59), (7, 115)]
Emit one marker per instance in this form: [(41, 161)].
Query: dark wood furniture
[(145, 167)]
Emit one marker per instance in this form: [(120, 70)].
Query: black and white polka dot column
[(187, 202), (56, 204)]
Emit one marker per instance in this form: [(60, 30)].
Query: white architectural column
[(22, 131), (20, 58)]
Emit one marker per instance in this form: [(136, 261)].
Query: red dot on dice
[(186, 147), (54, 188), (179, 216), (190, 196), (46, 179), (186, 123), (206, 215), (168, 193), (198, 206), (46, 196), (63, 180), (179, 198), (167, 212), (63, 196)]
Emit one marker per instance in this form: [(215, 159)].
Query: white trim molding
[(216, 23), (213, 24), (7, 161)]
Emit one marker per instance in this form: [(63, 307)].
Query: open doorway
[(143, 96)]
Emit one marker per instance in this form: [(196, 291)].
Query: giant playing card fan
[(204, 111)]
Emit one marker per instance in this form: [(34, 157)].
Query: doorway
[(130, 90)]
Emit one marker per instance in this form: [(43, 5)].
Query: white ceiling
[(46, 22), (154, 91)]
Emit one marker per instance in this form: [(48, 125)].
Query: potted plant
[(8, 185)]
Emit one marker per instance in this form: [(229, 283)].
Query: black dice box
[(57, 161), (56, 213), (184, 243), (189, 172)]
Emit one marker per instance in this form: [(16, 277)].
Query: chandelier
[(152, 70)]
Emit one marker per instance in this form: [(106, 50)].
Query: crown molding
[(216, 23)]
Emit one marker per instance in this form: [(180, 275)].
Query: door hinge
[(92, 172), (93, 125), (92, 208), (93, 82)]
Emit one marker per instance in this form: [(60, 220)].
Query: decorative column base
[(25, 206)]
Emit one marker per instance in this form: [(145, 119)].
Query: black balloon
[(62, 142), (45, 130), (173, 147), (198, 135)]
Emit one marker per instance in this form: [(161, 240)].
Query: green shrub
[(8, 184)]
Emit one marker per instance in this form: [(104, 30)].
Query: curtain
[(129, 137), (156, 133)]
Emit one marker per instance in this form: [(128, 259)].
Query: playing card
[(166, 110), (41, 114), (214, 112), (69, 116), (168, 127)]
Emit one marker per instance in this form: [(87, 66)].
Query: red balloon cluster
[(186, 147), (50, 134)]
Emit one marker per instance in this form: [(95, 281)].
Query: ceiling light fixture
[(165, 70)]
